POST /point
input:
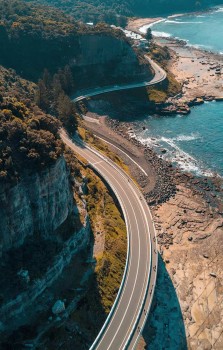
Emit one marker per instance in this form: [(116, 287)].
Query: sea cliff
[(38, 204)]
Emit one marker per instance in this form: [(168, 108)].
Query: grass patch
[(105, 219), (101, 146), (169, 87)]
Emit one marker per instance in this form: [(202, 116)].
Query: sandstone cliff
[(38, 204), (105, 59)]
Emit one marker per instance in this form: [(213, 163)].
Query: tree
[(149, 34), (66, 112), (47, 79), (42, 99)]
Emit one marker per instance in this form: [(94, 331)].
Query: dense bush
[(52, 97), (115, 11), (29, 139), (34, 37)]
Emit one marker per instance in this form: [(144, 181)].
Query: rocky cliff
[(106, 59), (38, 204)]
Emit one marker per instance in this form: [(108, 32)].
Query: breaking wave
[(161, 34), (182, 22), (175, 154)]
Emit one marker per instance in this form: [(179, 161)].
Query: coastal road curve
[(159, 75), (127, 317)]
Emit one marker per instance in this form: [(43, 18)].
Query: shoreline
[(187, 212), (135, 24)]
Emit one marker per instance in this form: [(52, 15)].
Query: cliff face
[(95, 57), (40, 203), (105, 59)]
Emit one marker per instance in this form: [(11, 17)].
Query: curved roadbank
[(159, 75), (127, 317)]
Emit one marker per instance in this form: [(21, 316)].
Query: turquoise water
[(193, 142), (204, 31)]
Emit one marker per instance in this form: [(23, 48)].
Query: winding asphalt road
[(159, 75), (129, 312)]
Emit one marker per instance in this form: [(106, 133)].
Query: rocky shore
[(200, 72)]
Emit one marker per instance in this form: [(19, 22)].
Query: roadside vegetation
[(170, 87), (101, 146), (108, 229)]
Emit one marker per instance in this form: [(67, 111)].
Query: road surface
[(129, 312), (159, 75)]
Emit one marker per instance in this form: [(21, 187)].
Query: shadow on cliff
[(130, 105), (165, 328)]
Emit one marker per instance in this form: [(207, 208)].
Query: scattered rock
[(24, 276), (213, 274), (58, 307)]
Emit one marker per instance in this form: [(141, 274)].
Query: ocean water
[(193, 142), (203, 30)]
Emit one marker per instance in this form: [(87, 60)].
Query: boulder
[(58, 307)]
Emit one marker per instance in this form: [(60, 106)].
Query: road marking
[(126, 277), (145, 173), (97, 162), (131, 235), (147, 236), (142, 214), (158, 71)]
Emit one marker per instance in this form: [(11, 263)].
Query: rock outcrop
[(38, 204), (106, 59)]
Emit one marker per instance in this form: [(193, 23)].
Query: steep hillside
[(116, 11), (34, 38)]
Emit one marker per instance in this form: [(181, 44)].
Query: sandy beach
[(135, 24)]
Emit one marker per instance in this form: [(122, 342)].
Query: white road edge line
[(125, 215), (101, 138)]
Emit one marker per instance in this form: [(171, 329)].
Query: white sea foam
[(184, 160), (220, 9), (182, 22), (144, 28), (199, 46), (161, 34), (191, 137)]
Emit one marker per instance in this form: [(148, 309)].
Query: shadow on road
[(164, 329)]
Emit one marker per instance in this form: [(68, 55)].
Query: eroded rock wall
[(104, 59), (39, 204)]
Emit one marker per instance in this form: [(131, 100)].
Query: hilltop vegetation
[(116, 11), (29, 139), (34, 37)]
